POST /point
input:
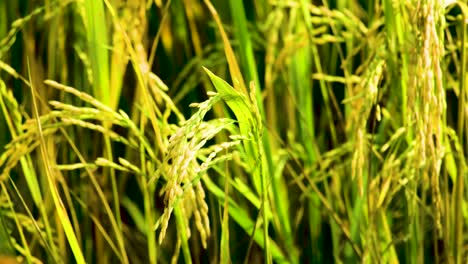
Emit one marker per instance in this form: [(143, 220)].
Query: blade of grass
[(14, 122), (225, 257), (459, 184), (97, 42), (97, 35), (249, 65), (61, 211), (242, 218), (18, 225)]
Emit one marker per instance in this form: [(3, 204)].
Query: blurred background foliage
[(286, 131)]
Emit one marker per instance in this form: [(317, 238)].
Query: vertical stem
[(458, 235)]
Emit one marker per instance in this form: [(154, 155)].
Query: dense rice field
[(230, 131)]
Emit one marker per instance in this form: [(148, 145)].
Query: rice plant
[(233, 131)]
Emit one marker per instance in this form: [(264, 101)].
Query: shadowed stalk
[(248, 63), (63, 217), (462, 137), (97, 39)]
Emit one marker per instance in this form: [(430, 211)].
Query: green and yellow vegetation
[(279, 131)]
